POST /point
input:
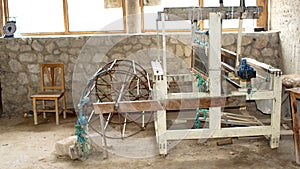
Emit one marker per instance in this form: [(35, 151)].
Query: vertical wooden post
[(124, 15), (201, 26), (1, 19), (66, 16), (1, 107), (293, 97), (142, 16), (263, 16), (214, 61), (276, 112), (133, 16), (5, 10)]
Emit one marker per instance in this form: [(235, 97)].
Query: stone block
[(64, 58), (56, 52), (22, 78), (78, 42), (62, 42), (267, 52), (179, 50), (187, 51), (145, 40), (246, 40), (27, 57), (51, 58), (15, 66), (260, 42), (50, 46), (228, 40), (66, 147), (74, 51), (13, 45), (25, 48), (255, 52), (33, 68), (127, 47), (37, 46)]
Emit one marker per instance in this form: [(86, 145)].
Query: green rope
[(82, 138), (201, 84), (197, 123)]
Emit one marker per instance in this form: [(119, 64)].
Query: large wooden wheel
[(119, 80)]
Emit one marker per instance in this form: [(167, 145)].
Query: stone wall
[(285, 18), (82, 56)]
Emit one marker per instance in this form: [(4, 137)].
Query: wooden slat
[(6, 11), (66, 16), (47, 95), (128, 106), (192, 103), (263, 16), (170, 104), (1, 17), (262, 65), (124, 15)]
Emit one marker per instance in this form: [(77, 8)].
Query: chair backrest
[(52, 77)]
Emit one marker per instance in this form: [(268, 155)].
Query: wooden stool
[(295, 94)]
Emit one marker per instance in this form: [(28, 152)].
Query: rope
[(201, 84), (197, 123)]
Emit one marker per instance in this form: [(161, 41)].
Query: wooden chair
[(52, 85)]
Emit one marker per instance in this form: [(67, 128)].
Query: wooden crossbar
[(170, 104)]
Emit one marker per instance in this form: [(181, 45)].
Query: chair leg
[(34, 111), (43, 108), (295, 127), (56, 112), (64, 106)]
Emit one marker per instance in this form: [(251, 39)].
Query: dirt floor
[(23, 145)]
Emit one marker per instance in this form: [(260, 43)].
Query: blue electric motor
[(245, 71)]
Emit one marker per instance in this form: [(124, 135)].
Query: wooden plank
[(170, 104), (128, 106), (187, 13), (1, 106), (1, 17), (66, 16), (293, 97), (262, 65), (219, 133), (263, 16), (5, 10), (47, 95), (192, 103)]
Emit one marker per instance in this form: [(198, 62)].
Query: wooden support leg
[(56, 112), (162, 131), (43, 108), (276, 112), (64, 106), (34, 111), (104, 143), (295, 127)]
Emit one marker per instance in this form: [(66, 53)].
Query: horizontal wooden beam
[(202, 13), (170, 104)]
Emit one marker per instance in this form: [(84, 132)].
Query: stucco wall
[(284, 17)]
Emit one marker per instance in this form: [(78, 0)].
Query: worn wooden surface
[(170, 104), (1, 18), (295, 94), (1, 107)]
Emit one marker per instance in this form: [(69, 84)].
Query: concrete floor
[(23, 145)]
